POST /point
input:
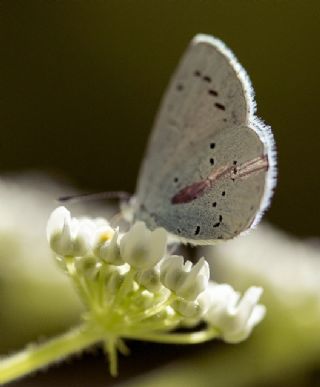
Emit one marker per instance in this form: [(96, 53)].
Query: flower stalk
[(41, 355)]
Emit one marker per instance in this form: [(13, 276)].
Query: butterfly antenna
[(121, 195)]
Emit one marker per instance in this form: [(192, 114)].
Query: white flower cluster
[(145, 285)]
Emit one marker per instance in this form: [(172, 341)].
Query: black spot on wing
[(197, 231), (218, 223), (219, 106), (213, 92)]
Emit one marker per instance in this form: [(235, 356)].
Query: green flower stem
[(102, 284), (37, 356), (83, 291), (125, 287), (121, 345), (153, 326), (176, 338), (153, 310), (111, 349)]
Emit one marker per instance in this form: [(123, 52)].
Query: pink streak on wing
[(191, 192), (197, 189)]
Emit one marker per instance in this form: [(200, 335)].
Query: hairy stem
[(36, 356)]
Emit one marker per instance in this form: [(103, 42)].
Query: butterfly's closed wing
[(206, 173)]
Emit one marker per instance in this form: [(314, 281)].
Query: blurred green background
[(81, 82)]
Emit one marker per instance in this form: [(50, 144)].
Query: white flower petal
[(171, 271), (142, 248), (58, 218), (185, 280), (235, 319), (68, 236), (195, 281), (106, 245), (158, 242)]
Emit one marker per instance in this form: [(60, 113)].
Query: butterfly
[(210, 167)]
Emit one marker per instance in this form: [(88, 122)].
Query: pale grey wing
[(206, 120), (229, 206), (208, 92)]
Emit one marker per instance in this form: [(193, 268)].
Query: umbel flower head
[(133, 288)]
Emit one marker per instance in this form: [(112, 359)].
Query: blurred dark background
[(81, 82)]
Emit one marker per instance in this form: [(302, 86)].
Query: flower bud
[(234, 317), (142, 248), (68, 236), (183, 279), (106, 246)]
